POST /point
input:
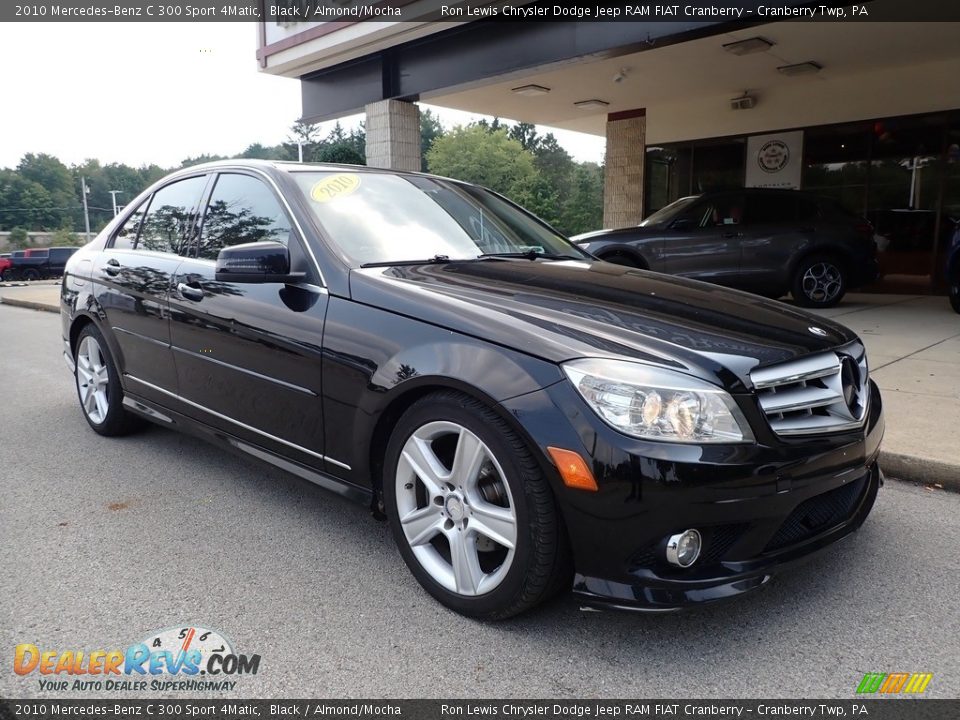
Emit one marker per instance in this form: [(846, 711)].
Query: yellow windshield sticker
[(335, 187)]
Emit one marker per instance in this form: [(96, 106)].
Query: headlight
[(656, 404)]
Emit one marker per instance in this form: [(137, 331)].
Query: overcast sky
[(141, 93)]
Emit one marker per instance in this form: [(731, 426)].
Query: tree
[(430, 130), (479, 155), (526, 135), (18, 239), (27, 204), (339, 153)]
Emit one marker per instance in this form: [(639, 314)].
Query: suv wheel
[(622, 258), (9, 275), (820, 281), (471, 511), (31, 274), (98, 386)]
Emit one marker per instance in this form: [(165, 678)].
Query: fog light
[(683, 549)]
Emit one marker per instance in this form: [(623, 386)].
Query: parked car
[(528, 419), (39, 263), (5, 262), (953, 268), (766, 241)]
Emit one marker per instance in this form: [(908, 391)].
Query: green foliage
[(486, 157), (64, 237), (18, 239), (341, 152), (430, 130)]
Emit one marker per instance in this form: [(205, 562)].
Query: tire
[(98, 386), (450, 513), (819, 281), (30, 274), (622, 258), (9, 275), (955, 293)]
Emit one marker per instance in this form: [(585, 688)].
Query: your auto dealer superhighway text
[(584, 11), (512, 710)]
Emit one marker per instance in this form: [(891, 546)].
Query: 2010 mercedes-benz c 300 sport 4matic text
[(528, 419)]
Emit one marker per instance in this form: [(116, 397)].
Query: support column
[(623, 169), (393, 135)]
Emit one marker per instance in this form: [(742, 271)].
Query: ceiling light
[(804, 68), (530, 90), (748, 46), (588, 104)]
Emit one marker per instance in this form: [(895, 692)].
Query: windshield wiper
[(532, 255), (435, 260)]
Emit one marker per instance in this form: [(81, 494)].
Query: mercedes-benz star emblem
[(817, 331)]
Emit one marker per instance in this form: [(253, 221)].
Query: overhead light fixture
[(748, 46), (804, 68), (530, 90), (588, 104)]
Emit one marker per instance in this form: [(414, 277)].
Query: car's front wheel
[(819, 281), (470, 509), (98, 386), (30, 274)]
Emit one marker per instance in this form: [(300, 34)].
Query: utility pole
[(86, 212), (300, 149), (113, 196)]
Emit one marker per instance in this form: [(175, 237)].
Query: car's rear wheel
[(98, 386), (31, 274), (819, 281), (9, 275), (470, 509)]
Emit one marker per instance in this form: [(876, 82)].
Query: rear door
[(706, 245), (133, 277), (249, 355), (773, 235)]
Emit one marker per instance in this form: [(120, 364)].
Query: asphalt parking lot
[(103, 541)]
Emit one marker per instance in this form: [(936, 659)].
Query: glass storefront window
[(835, 164)]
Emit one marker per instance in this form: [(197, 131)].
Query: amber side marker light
[(573, 469)]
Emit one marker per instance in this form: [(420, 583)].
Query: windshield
[(668, 213), (376, 218)]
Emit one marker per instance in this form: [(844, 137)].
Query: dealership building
[(865, 111)]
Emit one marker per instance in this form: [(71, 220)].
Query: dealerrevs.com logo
[(177, 659)]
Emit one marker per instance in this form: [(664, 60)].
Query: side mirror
[(258, 262)]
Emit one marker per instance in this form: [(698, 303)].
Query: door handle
[(190, 292), (112, 267)]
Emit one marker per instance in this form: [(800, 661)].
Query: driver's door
[(248, 355), (705, 243)]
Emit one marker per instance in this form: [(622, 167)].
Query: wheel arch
[(626, 251), (404, 398)]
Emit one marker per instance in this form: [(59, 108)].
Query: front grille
[(819, 513), (826, 392)]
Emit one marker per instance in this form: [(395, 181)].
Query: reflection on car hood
[(634, 231), (564, 310)]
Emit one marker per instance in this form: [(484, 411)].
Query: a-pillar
[(393, 135), (623, 169)]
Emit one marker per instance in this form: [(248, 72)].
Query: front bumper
[(759, 507)]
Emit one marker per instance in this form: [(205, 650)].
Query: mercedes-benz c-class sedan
[(529, 419)]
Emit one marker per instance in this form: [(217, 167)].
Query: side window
[(126, 236), (726, 210), (771, 209), (167, 226), (242, 209)]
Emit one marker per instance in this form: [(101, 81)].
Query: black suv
[(766, 241), (528, 418)]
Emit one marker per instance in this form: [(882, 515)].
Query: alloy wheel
[(93, 379), (455, 508), (822, 282)]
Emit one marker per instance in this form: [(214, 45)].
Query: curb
[(914, 469), (29, 304)]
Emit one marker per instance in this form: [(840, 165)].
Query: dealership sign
[(774, 161)]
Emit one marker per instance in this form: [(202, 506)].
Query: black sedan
[(529, 419), (771, 242)]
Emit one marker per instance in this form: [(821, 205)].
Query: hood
[(563, 310), (631, 232)]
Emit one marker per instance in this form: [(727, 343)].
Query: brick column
[(623, 169), (393, 135)]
